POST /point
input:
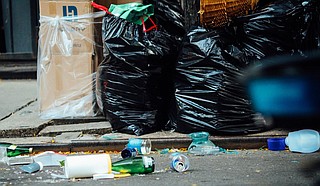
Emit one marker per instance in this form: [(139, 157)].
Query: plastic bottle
[(134, 165), (143, 146), (179, 162), (201, 145), (304, 141), (13, 150)]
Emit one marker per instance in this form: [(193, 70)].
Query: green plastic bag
[(132, 12)]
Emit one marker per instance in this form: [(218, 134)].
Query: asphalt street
[(246, 167)]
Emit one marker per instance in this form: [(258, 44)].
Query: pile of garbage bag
[(159, 80), (209, 95)]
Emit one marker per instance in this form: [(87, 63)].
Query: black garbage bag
[(133, 82), (279, 27), (170, 16), (208, 95)]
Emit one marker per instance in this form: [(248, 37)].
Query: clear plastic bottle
[(143, 146), (201, 145), (179, 162), (304, 141)]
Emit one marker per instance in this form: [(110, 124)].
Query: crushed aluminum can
[(179, 162)]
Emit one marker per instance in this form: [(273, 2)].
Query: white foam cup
[(77, 166)]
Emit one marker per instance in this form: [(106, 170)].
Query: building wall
[(19, 28)]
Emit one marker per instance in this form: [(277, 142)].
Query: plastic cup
[(276, 144), (78, 166)]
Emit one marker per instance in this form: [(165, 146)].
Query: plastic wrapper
[(66, 65), (134, 82), (208, 94)]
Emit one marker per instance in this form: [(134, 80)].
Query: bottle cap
[(276, 144)]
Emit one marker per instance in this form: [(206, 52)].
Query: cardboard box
[(71, 87), (76, 36), (65, 60)]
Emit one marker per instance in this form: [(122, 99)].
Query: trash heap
[(142, 92), (157, 74), (136, 157)]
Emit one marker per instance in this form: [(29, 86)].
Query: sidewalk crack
[(18, 109)]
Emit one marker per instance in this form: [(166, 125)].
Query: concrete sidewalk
[(20, 124)]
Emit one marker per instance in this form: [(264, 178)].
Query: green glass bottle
[(134, 165), (13, 150)]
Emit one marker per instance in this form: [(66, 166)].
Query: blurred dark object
[(134, 80), (287, 88)]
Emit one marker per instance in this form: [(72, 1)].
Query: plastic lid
[(276, 144)]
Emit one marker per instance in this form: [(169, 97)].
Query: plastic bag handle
[(154, 26), (100, 7), (103, 8)]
